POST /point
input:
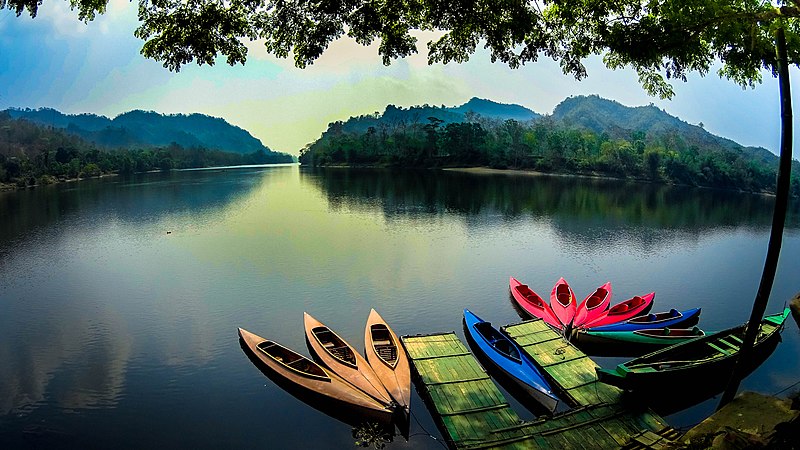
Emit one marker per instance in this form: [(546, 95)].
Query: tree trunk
[(778, 219)]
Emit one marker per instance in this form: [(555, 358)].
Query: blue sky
[(57, 61)]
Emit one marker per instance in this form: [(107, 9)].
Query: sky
[(59, 62)]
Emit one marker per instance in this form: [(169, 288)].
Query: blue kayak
[(506, 356), (670, 319)]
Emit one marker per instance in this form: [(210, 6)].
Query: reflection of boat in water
[(342, 359), (388, 359), (704, 363), (312, 383)]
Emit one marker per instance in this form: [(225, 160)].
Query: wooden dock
[(472, 413), (569, 369)]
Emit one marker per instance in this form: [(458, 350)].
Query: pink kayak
[(593, 306), (532, 303), (562, 302), (624, 311)]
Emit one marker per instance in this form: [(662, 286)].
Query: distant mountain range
[(148, 128), (583, 112)]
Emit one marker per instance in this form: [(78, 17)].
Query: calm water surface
[(120, 298)]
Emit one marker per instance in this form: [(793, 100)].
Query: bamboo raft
[(472, 413)]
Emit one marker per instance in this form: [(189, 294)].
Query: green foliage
[(32, 154), (552, 146), (662, 40)]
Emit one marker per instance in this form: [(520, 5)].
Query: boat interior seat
[(718, 348), (723, 341), (736, 339), (381, 343)]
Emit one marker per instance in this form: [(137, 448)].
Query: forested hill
[(618, 121), (583, 135), (397, 116), (149, 129)]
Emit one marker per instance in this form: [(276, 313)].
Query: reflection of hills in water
[(575, 207), (140, 199)]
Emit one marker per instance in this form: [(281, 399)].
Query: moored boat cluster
[(596, 327)]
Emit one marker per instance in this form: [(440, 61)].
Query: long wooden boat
[(310, 377), (708, 359), (388, 359), (620, 312), (562, 302), (593, 305), (668, 319), (631, 343), (341, 358), (530, 302), (506, 356)]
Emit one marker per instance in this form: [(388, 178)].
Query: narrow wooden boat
[(562, 302), (620, 312), (388, 359), (631, 343), (308, 376), (593, 305), (669, 319), (708, 359), (507, 357), (532, 303), (341, 358)]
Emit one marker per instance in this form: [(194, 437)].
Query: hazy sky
[(57, 61)]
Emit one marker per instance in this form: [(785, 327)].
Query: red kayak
[(531, 303), (624, 311), (593, 306), (562, 302)]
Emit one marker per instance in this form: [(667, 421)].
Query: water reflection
[(577, 208)]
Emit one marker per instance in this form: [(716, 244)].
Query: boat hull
[(520, 370), (671, 319), (358, 372), (704, 363), (531, 303), (630, 343), (388, 359), (563, 304), (623, 311), (593, 306), (328, 393)]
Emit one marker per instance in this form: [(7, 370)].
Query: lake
[(120, 298)]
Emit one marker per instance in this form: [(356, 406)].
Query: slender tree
[(660, 39)]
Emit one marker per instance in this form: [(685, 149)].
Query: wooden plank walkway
[(472, 413), (569, 369)]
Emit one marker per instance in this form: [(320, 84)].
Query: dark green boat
[(705, 360), (632, 342)]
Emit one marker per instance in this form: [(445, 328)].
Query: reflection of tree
[(571, 204)]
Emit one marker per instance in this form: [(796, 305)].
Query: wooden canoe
[(506, 356), (704, 362), (531, 303), (628, 309), (308, 376), (593, 305), (341, 358), (562, 302), (388, 359)]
